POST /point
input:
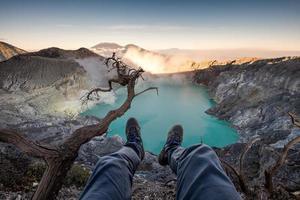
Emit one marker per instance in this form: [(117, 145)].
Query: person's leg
[(112, 176), (199, 172), (200, 175)]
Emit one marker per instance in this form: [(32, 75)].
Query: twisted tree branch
[(150, 88), (242, 158), (26, 145), (237, 174), (61, 158), (269, 173)]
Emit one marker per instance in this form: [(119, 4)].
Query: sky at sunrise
[(201, 24)]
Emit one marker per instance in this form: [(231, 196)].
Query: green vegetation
[(78, 176)]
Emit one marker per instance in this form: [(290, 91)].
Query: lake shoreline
[(157, 114), (247, 117)]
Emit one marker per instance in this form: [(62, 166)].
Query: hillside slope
[(33, 72), (7, 51), (50, 81), (253, 96), (49, 67), (256, 98)]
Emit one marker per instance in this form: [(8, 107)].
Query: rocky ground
[(31, 87), (254, 97)]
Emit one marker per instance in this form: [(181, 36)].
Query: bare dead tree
[(241, 181), (241, 166), (269, 173), (268, 188), (240, 172), (59, 159), (295, 119), (212, 63), (124, 75), (231, 62)]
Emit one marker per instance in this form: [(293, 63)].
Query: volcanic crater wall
[(255, 97)]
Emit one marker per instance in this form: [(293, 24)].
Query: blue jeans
[(200, 175)]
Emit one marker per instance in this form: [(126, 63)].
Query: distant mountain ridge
[(54, 52), (44, 68), (161, 61), (7, 51), (110, 45), (227, 54), (201, 55), (53, 79), (106, 49)]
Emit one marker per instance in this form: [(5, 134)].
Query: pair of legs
[(200, 175)]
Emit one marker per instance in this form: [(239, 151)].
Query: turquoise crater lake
[(177, 103)]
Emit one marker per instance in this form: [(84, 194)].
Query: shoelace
[(133, 134), (175, 139)]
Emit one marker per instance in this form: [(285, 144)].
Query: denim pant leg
[(112, 176), (200, 175)]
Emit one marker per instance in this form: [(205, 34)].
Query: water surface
[(177, 102)]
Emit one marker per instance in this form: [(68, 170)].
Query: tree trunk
[(53, 178), (60, 159)]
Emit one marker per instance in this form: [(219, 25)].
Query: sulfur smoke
[(98, 75), (157, 63)]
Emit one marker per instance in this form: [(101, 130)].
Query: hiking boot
[(174, 139), (134, 139)]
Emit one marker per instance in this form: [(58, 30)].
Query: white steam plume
[(97, 71), (97, 76), (157, 63)]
